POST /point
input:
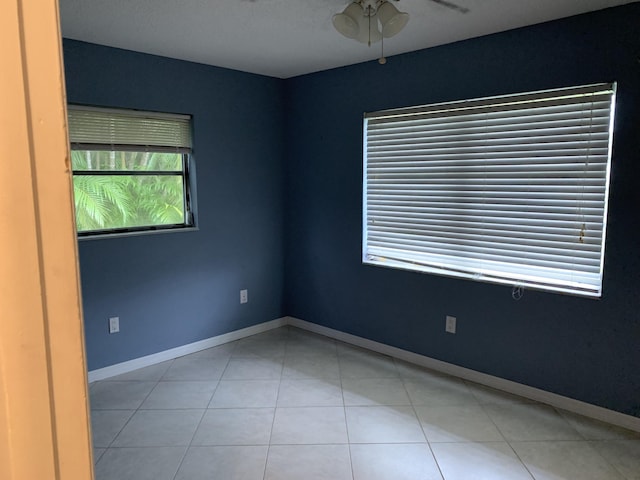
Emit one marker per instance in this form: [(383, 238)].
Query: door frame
[(44, 409)]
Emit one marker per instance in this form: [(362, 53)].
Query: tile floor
[(291, 405)]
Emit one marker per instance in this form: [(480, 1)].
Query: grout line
[(564, 418), (614, 466), (275, 408), (488, 414), (134, 410), (214, 393), (506, 440), (435, 459), (186, 450), (520, 460), (309, 444), (204, 412), (346, 423)]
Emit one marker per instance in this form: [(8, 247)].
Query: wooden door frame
[(44, 412)]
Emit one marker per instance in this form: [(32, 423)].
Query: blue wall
[(173, 289), (581, 348), (279, 184)]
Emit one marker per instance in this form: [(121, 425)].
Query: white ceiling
[(285, 38)]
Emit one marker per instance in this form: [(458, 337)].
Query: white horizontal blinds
[(509, 189), (94, 127)]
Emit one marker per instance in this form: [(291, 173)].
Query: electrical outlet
[(244, 296), (114, 324), (450, 324)]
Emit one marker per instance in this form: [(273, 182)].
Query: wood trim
[(44, 415)]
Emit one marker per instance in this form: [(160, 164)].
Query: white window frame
[(122, 130), (510, 189)]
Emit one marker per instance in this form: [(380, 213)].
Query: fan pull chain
[(382, 60), (369, 9)]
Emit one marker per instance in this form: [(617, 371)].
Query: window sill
[(103, 236)]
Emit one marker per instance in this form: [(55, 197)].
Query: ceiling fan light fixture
[(392, 20), (348, 22)]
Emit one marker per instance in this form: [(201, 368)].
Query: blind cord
[(517, 292)]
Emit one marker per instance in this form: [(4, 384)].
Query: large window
[(509, 189), (130, 170)]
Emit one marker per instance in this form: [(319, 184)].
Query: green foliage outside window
[(145, 189)]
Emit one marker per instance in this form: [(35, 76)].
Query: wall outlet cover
[(450, 324), (114, 324)]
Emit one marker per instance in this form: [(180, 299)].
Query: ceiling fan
[(370, 21)]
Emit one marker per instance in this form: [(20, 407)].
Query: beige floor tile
[(119, 395), (439, 390), (624, 455), (159, 428), (235, 426), (172, 395), (479, 461), (311, 366), (389, 424), (253, 348), (531, 423), (310, 392), (308, 462), (97, 454), (595, 430), (367, 366), (412, 461), (106, 424), (309, 425), (564, 461), (242, 368), (224, 463), (466, 423), (245, 393), (196, 369), (159, 463), (374, 391)]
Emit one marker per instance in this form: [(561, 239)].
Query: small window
[(130, 170), (509, 189)]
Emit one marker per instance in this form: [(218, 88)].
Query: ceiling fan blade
[(452, 6)]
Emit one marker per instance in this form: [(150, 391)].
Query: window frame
[(389, 146), (186, 160)]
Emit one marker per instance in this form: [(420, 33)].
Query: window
[(130, 170), (510, 189)]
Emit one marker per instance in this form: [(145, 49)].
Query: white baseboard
[(130, 365), (553, 399)]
